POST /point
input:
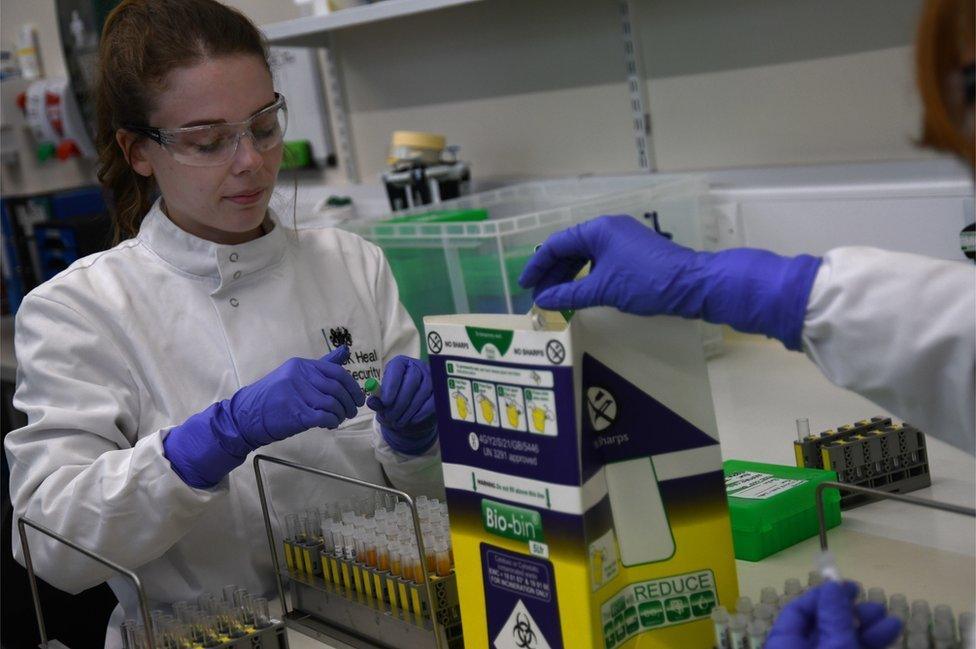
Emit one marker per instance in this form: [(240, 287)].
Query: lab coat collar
[(202, 258)]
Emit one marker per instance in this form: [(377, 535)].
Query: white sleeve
[(76, 466), (420, 474), (900, 330)]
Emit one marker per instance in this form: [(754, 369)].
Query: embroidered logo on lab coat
[(340, 336)]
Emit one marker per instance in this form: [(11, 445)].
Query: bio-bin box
[(584, 480), (774, 506), (465, 255)]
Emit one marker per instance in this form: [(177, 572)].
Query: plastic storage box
[(472, 266), (773, 507)]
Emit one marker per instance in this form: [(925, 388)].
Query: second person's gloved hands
[(301, 393), (638, 271), (405, 406), (826, 617)]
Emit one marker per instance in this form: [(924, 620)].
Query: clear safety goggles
[(212, 145)]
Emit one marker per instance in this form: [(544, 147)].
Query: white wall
[(536, 87)]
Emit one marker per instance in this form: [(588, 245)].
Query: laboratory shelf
[(308, 30)]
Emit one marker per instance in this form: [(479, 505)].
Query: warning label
[(756, 485), (521, 604)]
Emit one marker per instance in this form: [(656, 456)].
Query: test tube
[(382, 553), (917, 641), (130, 635), (877, 595), (898, 602), (917, 624), (371, 558), (738, 637), (766, 612), (943, 613), (396, 560), (720, 621), (814, 579), (792, 587), (802, 428), (943, 635), (262, 618), (743, 606), (757, 633), (443, 557), (967, 629), (314, 525), (411, 566), (348, 543), (769, 596), (920, 607), (430, 552)]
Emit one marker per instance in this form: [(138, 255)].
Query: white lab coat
[(900, 330), (127, 343)]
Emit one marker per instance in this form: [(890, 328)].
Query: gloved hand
[(826, 617), (405, 406), (301, 393), (638, 271)]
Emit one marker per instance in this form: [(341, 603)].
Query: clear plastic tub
[(473, 267)]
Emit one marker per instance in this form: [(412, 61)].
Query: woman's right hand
[(300, 394)]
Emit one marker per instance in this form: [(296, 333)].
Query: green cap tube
[(371, 386)]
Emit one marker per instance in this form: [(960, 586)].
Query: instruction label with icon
[(462, 404), (486, 406), (541, 408), (658, 603), (512, 406), (603, 559)]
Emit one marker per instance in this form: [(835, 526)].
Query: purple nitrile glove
[(405, 406), (301, 393), (638, 271), (826, 617)]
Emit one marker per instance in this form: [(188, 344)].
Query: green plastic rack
[(773, 506)]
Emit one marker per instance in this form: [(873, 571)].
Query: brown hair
[(142, 41), (945, 42)]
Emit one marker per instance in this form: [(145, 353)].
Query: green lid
[(297, 155), (371, 386), (443, 216)]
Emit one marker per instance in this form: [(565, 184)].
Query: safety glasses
[(212, 145)]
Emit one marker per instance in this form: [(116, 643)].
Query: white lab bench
[(759, 389)]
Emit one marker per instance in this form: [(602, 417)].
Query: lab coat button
[(234, 302), (237, 274), (233, 256)]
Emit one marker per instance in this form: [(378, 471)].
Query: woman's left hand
[(405, 406)]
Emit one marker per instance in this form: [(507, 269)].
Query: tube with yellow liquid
[(512, 411), (487, 408), (539, 418), (461, 402)]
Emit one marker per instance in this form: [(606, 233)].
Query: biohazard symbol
[(523, 632)]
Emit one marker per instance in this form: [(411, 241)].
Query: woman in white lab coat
[(149, 372)]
